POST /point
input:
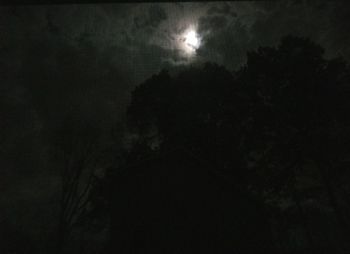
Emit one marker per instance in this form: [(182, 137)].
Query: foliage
[(277, 127)]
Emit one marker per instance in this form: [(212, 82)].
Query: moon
[(190, 41)]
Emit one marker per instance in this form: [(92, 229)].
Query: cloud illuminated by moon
[(190, 41)]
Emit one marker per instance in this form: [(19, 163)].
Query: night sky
[(123, 44), (93, 56), (140, 39)]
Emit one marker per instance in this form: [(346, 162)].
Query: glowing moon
[(190, 41)]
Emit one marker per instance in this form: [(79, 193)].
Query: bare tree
[(77, 149)]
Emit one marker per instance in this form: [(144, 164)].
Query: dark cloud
[(221, 9), (227, 45), (156, 15), (139, 39), (321, 21), (132, 41), (153, 17), (212, 23), (227, 37)]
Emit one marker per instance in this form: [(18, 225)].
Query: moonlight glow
[(190, 41)]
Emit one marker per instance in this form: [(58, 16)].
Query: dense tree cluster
[(277, 129)]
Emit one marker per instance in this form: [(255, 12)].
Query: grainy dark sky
[(139, 39), (91, 57), (106, 50)]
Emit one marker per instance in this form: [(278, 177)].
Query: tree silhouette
[(272, 131), (300, 110), (78, 154)]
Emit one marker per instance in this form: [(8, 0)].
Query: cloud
[(212, 23), (156, 15), (231, 29), (221, 9), (149, 18), (139, 39)]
